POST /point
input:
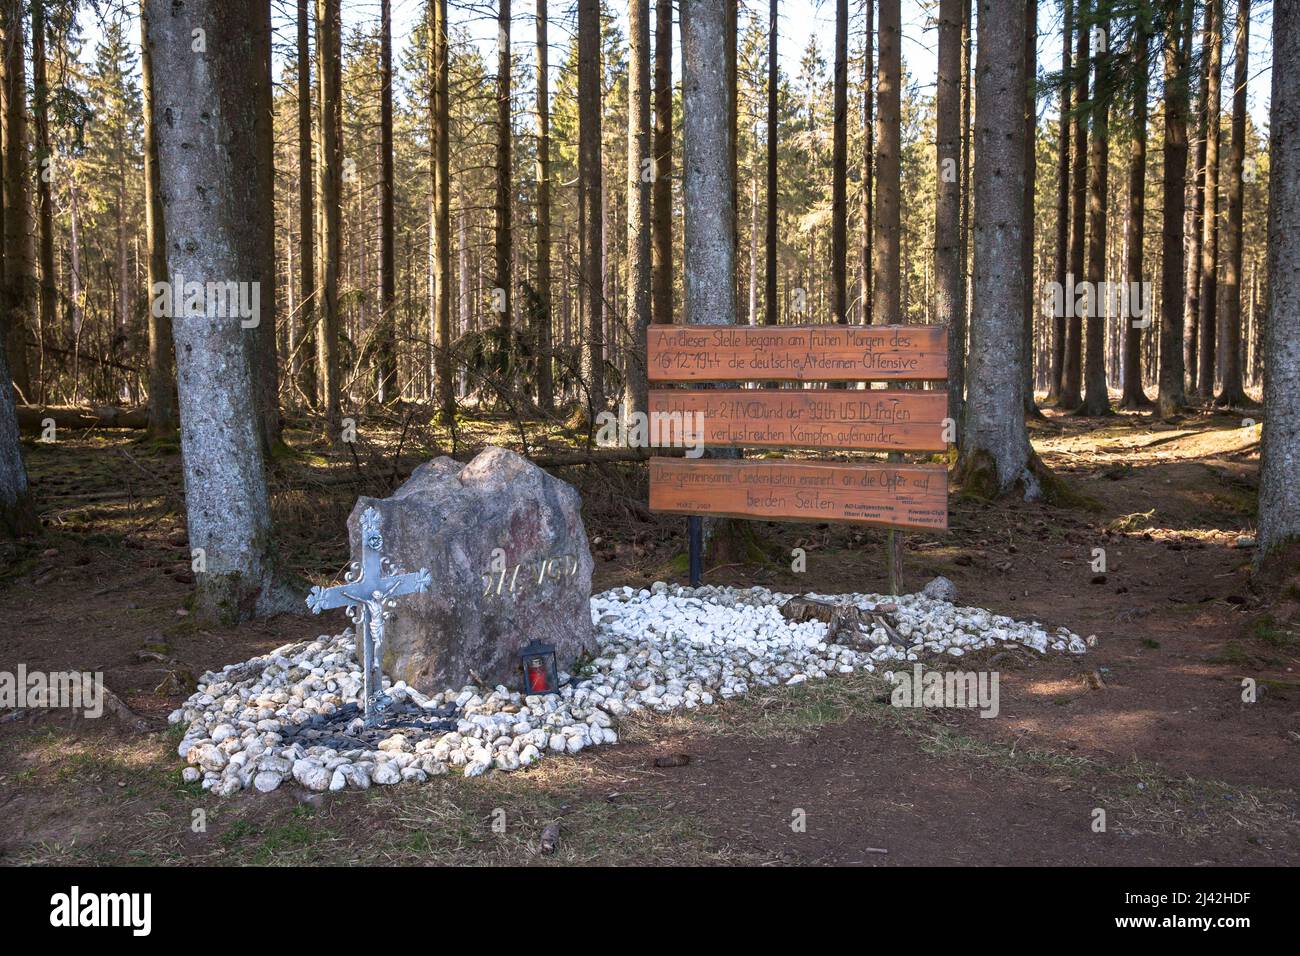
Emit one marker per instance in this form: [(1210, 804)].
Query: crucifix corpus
[(367, 592)]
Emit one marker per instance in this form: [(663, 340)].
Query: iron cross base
[(366, 594), (376, 708), (346, 729)]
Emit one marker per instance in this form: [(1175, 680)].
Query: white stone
[(356, 776), (267, 780), (663, 649), (209, 757), (311, 774)]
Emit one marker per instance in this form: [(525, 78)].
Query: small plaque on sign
[(875, 493), (882, 420), (802, 353)]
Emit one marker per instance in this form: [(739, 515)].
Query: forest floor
[(1149, 725)]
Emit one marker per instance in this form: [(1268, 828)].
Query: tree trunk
[(731, 33), (1031, 179), (206, 146), (121, 273), (1072, 374), (18, 275), (266, 364), (661, 266), (886, 265), (891, 302), (305, 369), (1279, 468), (329, 168), (4, 152), (1063, 141), (636, 389), (463, 317), (592, 267), (1134, 397), (162, 403), (1206, 308), (1233, 394), (868, 148), (949, 298), (45, 173), (771, 303), (444, 383), (17, 516), (1096, 401), (996, 457), (709, 260), (957, 350), (31, 418), (752, 311), (839, 168), (545, 349), (607, 267), (501, 225), (386, 344), (1176, 42), (1194, 221), (74, 284)]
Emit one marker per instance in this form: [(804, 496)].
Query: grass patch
[(1233, 655), (1138, 521), (1267, 631), (495, 819), (159, 445)]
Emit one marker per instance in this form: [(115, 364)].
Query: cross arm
[(416, 582), (325, 599)]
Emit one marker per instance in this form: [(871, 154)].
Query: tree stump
[(845, 624)]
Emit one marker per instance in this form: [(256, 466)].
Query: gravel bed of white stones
[(661, 648)]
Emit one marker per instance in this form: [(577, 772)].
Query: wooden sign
[(873, 493), (879, 419), (801, 353)]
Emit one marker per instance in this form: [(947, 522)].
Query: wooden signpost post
[(884, 494)]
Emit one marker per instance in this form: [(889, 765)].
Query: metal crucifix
[(368, 590)]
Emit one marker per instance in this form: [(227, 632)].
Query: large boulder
[(508, 555)]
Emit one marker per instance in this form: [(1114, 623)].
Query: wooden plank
[(876, 419), (872, 493), (800, 353)]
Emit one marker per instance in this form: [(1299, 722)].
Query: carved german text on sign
[(807, 353), (900, 496), (880, 419)]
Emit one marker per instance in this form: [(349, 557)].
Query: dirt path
[(855, 794), (1149, 726)]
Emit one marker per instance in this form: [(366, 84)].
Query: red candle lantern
[(538, 663)]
